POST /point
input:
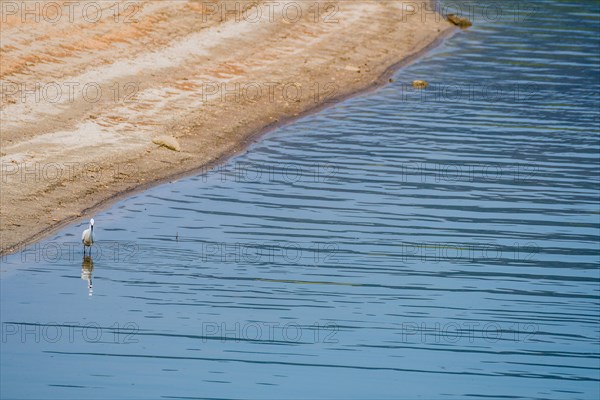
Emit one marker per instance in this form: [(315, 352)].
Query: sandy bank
[(86, 90)]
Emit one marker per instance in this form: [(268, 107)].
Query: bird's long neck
[(92, 228)]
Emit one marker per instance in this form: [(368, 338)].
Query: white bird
[(87, 237)]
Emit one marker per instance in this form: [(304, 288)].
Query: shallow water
[(441, 243)]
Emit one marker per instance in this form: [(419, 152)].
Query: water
[(392, 246)]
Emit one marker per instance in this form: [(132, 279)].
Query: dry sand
[(87, 89)]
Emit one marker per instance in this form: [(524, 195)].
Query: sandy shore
[(86, 89)]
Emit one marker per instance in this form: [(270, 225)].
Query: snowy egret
[(87, 237)]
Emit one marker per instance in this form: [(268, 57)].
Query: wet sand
[(85, 91)]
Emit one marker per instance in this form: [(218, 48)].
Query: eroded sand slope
[(84, 93)]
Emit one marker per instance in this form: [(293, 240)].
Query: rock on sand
[(167, 141)]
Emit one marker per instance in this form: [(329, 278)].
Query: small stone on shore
[(167, 141), (461, 22)]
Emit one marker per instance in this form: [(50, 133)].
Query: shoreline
[(242, 138)]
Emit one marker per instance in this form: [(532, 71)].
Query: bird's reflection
[(87, 266)]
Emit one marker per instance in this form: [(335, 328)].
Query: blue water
[(439, 243)]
